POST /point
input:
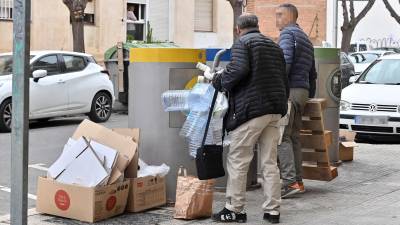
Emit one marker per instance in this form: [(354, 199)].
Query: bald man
[(300, 68)]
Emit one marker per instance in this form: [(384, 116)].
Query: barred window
[(6, 9)]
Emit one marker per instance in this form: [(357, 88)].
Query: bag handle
[(184, 171), (209, 117)]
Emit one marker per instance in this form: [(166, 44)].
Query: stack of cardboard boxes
[(95, 177)]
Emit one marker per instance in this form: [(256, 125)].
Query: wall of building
[(312, 17), (183, 31), (51, 30), (171, 20)]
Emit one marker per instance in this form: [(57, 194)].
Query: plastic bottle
[(175, 100), (200, 97)]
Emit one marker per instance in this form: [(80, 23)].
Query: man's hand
[(209, 75), (216, 81)]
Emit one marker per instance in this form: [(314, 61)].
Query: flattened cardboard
[(72, 150), (125, 146), (110, 155), (86, 170), (146, 193), (81, 203), (134, 133), (349, 144)]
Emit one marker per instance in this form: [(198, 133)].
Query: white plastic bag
[(146, 170), (221, 106)]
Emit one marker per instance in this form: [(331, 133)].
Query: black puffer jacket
[(255, 80)]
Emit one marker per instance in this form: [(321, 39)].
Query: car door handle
[(61, 82)]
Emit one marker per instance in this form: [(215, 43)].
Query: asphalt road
[(46, 141)]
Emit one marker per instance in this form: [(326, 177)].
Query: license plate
[(371, 120)]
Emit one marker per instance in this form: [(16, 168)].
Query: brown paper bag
[(194, 197)]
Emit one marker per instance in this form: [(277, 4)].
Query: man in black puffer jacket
[(257, 86), (300, 67)]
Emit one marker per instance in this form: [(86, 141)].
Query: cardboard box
[(81, 203), (345, 135), (346, 145), (134, 133), (146, 193), (346, 151), (125, 146)]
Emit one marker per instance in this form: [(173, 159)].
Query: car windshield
[(6, 64), (382, 72), (364, 57)]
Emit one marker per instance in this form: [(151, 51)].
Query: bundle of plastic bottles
[(197, 102)]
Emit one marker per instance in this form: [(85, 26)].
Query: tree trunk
[(77, 13), (78, 35), (349, 24), (346, 39), (237, 6), (237, 11)]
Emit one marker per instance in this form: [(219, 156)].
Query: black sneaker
[(271, 218), (289, 191), (227, 216)]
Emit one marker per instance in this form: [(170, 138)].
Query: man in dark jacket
[(300, 67), (257, 86)]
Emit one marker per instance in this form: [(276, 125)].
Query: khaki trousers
[(265, 131)]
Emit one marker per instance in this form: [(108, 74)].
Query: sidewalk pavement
[(366, 192), (118, 107)]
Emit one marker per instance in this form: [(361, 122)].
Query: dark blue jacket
[(255, 80), (299, 54)]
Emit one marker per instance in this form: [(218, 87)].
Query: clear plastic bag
[(200, 97)]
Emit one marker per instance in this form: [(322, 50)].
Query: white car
[(61, 84), (372, 105), (361, 60)]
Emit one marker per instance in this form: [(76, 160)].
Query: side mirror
[(37, 74), (353, 79)]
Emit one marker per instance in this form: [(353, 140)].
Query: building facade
[(312, 17), (188, 23)]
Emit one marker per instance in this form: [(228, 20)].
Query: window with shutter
[(203, 16), (6, 9)]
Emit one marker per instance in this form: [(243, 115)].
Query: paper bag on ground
[(81, 203), (194, 197), (125, 146)]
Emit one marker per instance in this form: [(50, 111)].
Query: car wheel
[(5, 116), (101, 108)]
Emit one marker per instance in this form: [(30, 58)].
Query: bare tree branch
[(350, 24), (352, 14), (364, 11), (345, 14), (392, 11)]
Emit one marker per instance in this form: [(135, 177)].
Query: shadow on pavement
[(55, 122)]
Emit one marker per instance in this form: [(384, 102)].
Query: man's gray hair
[(292, 9), (247, 21)]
